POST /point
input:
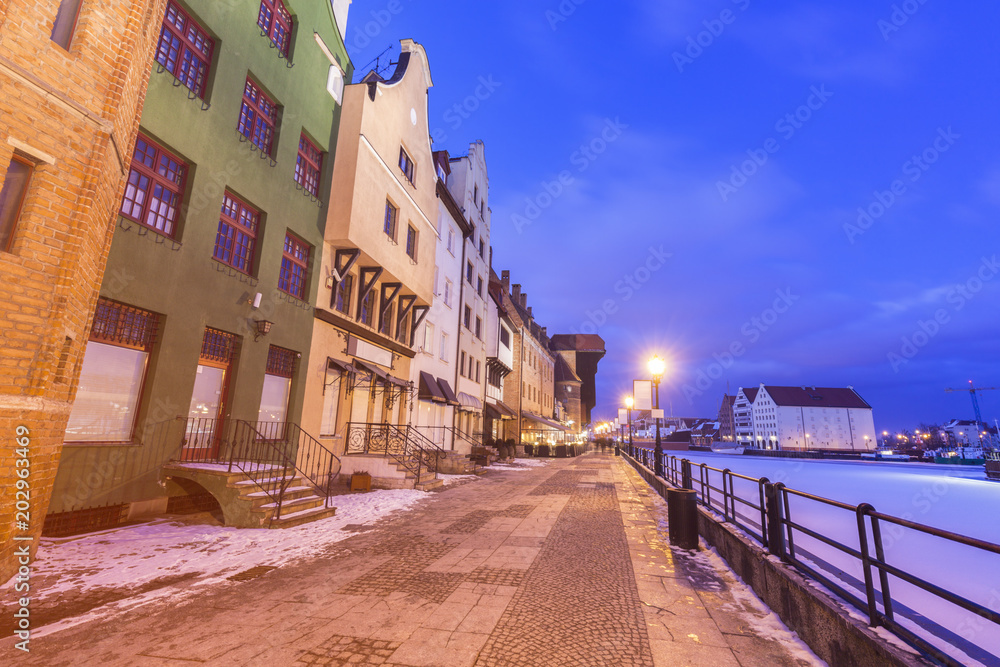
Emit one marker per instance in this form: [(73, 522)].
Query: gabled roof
[(750, 393), (818, 397)]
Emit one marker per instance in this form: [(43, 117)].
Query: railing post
[(775, 529), (882, 574), (761, 484), (727, 475), (873, 617), (686, 481)]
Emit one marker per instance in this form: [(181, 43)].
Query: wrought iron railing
[(270, 454), (763, 510), (404, 445)]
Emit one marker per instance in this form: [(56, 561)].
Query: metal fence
[(857, 569)]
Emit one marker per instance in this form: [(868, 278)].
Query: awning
[(544, 421), (429, 389), (380, 374), (498, 410), (469, 402), (337, 365), (449, 394)]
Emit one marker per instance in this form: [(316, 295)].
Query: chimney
[(529, 312), (505, 281), (545, 332), (524, 299), (515, 293)]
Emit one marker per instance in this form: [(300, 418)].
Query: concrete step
[(429, 484), (261, 498), (297, 518), (295, 504)]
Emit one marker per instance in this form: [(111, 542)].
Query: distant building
[(576, 370), (743, 416), (705, 433), (829, 418), (727, 425)]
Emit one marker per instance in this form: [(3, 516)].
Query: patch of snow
[(521, 464), (457, 479), (765, 623), (132, 556)]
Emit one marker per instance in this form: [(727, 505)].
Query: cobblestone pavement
[(560, 565)]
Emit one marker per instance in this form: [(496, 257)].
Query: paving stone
[(566, 564)]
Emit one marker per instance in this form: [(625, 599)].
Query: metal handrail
[(403, 445), (777, 536)]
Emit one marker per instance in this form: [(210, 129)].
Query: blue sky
[(787, 193)]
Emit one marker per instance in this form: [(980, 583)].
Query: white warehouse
[(803, 418)]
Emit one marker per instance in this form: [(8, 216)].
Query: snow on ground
[(758, 615), (520, 464), (953, 498), (199, 554)]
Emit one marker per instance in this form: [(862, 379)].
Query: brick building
[(73, 78), (576, 372)]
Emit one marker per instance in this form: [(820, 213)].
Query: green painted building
[(205, 313)]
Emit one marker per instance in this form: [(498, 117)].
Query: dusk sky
[(793, 193)]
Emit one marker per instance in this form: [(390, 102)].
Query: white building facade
[(810, 418), (469, 184)]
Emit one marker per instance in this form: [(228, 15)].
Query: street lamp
[(629, 402), (656, 368)]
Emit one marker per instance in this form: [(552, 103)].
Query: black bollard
[(682, 518)]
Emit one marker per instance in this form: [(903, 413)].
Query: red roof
[(820, 397), (578, 342), (750, 393)]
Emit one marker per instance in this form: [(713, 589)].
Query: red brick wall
[(74, 114)]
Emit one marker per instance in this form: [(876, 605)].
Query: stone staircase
[(246, 505), (428, 478)]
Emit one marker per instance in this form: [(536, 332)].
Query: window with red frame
[(237, 235), (294, 267), (185, 50), (257, 117), (308, 165), (276, 23), (155, 187)]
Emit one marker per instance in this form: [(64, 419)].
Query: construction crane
[(975, 404)]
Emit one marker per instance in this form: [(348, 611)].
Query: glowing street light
[(656, 369)]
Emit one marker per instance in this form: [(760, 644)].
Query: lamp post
[(656, 368), (629, 402)]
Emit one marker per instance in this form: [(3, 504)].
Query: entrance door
[(208, 399)]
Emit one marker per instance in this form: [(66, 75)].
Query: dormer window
[(406, 165)]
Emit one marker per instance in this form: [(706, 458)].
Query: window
[(155, 187), (468, 272), (406, 165), (277, 385), (467, 318), (443, 352), (65, 23), (471, 360), (479, 327), (479, 367), (294, 267), (258, 116), (475, 194), (461, 365), (368, 308), (391, 213), (451, 240), (15, 187), (237, 235), (505, 337), (308, 165), (404, 331), (114, 366), (411, 242), (185, 50), (386, 328), (482, 249), (479, 286), (428, 345), (482, 214), (343, 300), (447, 292), (276, 23)]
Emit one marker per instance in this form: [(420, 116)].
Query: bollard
[(682, 518)]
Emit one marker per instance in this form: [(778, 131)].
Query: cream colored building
[(830, 418), (377, 280)]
